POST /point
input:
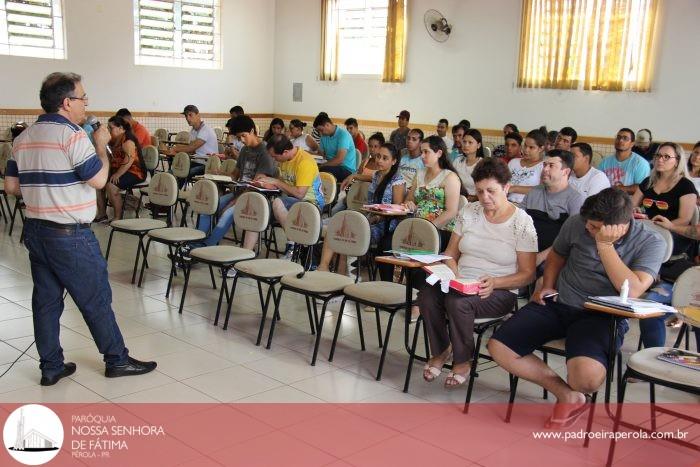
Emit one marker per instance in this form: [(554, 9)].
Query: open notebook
[(634, 305)]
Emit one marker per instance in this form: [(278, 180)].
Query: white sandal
[(433, 371), (452, 376)]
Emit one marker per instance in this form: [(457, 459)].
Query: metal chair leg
[(211, 274), (386, 346), (319, 333), (473, 374), (412, 355), (511, 398), (188, 268), (265, 305), (545, 394), (143, 264), (109, 247), (337, 329), (224, 290), (379, 326), (589, 423), (274, 315), (230, 302), (617, 419), (312, 323), (359, 325)]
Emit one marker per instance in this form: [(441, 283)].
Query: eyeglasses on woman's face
[(664, 157)]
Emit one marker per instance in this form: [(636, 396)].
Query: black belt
[(57, 226)]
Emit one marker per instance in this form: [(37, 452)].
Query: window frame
[(362, 74), (178, 59), (56, 51)]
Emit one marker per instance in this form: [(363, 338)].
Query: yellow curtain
[(395, 53), (621, 56), (329, 40), (602, 44)]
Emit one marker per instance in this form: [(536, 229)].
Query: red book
[(463, 286)]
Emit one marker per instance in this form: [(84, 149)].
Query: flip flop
[(452, 376), (574, 415), (432, 371)]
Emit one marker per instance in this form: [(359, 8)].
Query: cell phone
[(550, 297)]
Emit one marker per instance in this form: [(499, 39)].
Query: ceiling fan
[(437, 26)]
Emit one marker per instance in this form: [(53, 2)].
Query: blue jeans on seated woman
[(222, 226), (653, 330)]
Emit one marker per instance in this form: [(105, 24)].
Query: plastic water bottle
[(625, 291)]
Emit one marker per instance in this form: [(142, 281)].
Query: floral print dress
[(430, 198)]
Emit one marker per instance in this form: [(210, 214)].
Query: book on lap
[(387, 208), (443, 274)]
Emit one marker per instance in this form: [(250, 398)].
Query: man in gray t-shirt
[(253, 160), (566, 202), (551, 203), (594, 254)]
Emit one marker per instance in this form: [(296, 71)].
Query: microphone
[(95, 124)]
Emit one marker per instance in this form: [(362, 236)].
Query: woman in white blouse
[(299, 138), (494, 243), (526, 170), (472, 152)]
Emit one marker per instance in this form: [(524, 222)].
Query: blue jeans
[(70, 260), (222, 226), (653, 330)]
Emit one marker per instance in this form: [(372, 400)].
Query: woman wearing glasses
[(667, 193)]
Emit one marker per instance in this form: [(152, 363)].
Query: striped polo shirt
[(53, 159)]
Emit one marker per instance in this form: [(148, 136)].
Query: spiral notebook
[(682, 358)]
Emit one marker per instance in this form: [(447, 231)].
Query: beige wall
[(472, 75)]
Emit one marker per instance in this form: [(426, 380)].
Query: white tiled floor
[(198, 362)]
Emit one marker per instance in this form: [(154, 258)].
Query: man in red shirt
[(354, 130), (139, 130)]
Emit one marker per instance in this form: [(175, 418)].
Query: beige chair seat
[(138, 225), (184, 195), (381, 292), (646, 363), (177, 234), (269, 268), (145, 190), (559, 344), (318, 282), (222, 253)]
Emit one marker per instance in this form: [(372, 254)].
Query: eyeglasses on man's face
[(75, 98)]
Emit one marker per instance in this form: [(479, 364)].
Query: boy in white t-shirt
[(586, 178)]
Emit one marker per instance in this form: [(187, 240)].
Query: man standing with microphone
[(56, 169)]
